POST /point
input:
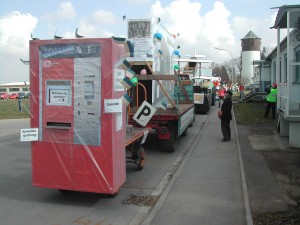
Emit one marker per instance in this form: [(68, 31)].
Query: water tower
[(250, 51)]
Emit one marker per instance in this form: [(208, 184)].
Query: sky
[(202, 25)]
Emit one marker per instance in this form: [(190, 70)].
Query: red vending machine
[(80, 145)]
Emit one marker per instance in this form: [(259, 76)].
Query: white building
[(14, 88), (285, 71), (250, 51)]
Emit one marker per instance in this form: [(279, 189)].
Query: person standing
[(271, 100), (226, 116), (221, 95), (241, 89)]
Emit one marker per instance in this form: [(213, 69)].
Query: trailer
[(171, 120), (204, 94), (80, 138), (168, 94)]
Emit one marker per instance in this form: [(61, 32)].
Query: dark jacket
[(226, 109)]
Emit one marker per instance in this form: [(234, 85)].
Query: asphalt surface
[(209, 187), (208, 182)]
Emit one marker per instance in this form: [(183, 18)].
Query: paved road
[(23, 204)]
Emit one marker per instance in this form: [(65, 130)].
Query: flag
[(126, 99), (129, 48), (126, 83), (129, 73), (162, 105), (123, 64)]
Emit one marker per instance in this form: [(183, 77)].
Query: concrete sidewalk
[(209, 187)]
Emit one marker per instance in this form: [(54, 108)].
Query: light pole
[(221, 49)]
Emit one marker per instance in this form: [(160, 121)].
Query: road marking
[(7, 142), (249, 219)]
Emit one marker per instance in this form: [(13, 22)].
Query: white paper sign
[(145, 136), (119, 121), (59, 96), (112, 105), (198, 98), (30, 134), (118, 76), (144, 113)]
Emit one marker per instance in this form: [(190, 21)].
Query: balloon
[(176, 52), (134, 80), (158, 36), (176, 67), (143, 72)]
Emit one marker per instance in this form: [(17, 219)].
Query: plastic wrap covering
[(80, 146), (152, 42)]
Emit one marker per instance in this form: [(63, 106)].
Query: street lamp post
[(221, 49)]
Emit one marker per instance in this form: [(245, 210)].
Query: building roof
[(250, 35), (15, 84), (281, 18)]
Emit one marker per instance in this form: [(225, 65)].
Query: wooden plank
[(156, 77), (163, 89), (186, 95), (135, 134), (182, 108)]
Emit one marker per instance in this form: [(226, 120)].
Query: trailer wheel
[(171, 144), (141, 159)]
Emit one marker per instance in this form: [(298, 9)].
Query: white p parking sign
[(144, 114)]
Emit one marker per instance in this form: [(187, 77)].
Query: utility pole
[(233, 74)]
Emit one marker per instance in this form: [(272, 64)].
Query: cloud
[(181, 16), (242, 25), (200, 30), (104, 17), (216, 27), (65, 11), (15, 30), (197, 31), (135, 2)]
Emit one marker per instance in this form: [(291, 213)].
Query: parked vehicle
[(13, 96), (202, 78), (4, 95)]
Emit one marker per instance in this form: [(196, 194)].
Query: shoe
[(225, 140)]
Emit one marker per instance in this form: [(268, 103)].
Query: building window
[(285, 69), (13, 89), (297, 70), (274, 72), (280, 73), (2, 89)]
